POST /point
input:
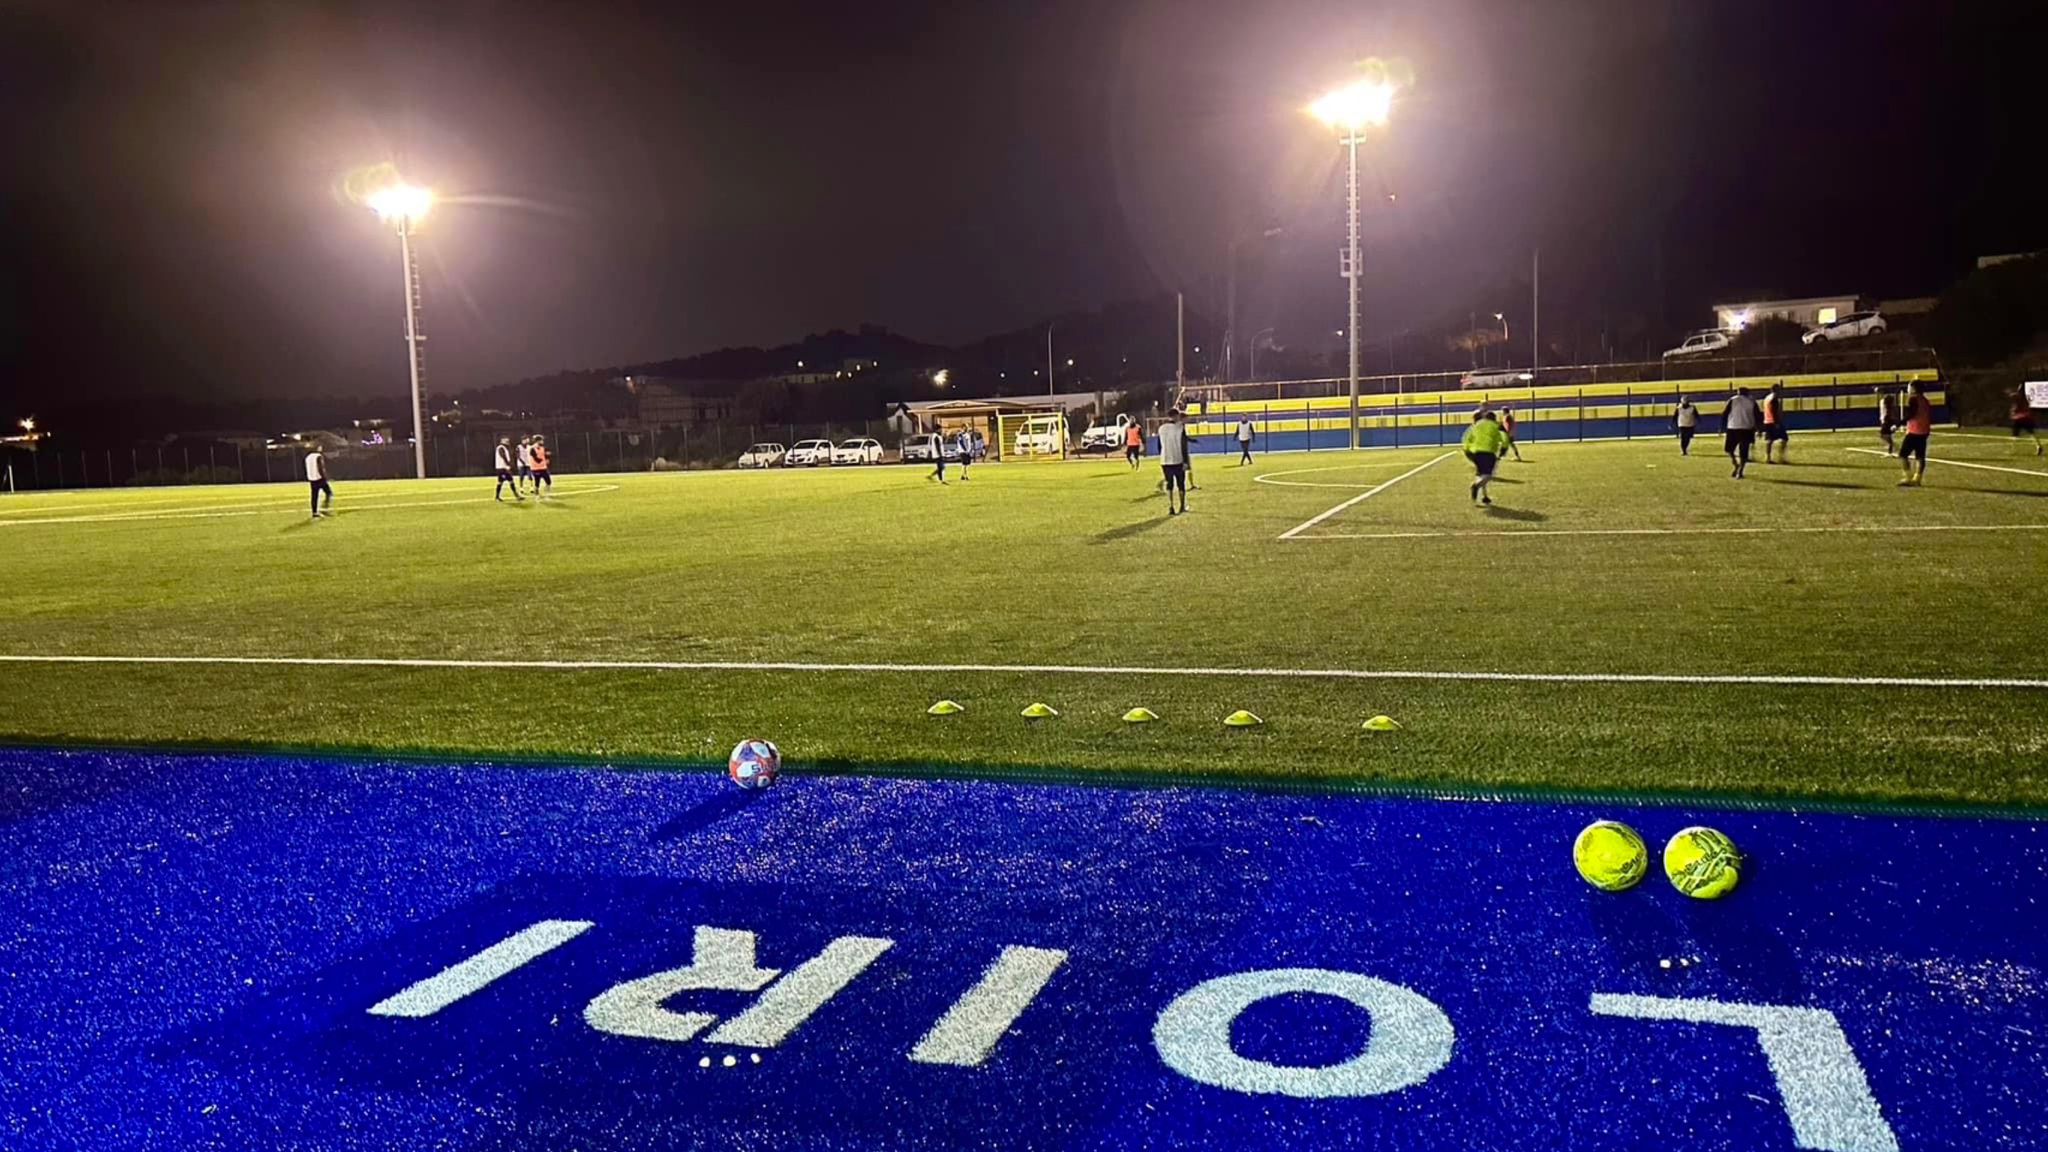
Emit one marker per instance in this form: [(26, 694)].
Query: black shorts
[(1482, 462), (1738, 439), (1774, 433), (1915, 444), (1887, 427), (505, 476), (2023, 426), (1176, 475), (542, 474)]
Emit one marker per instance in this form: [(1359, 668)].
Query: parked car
[(1705, 340), (809, 454), (1105, 437), (1041, 436), (1849, 327), (1497, 378), (763, 456), (858, 451), (928, 448)]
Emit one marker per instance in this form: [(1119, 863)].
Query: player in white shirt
[(316, 475), (1173, 460), (506, 463), (1244, 440), (525, 461)]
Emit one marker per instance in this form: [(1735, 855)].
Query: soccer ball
[(1611, 856), (1702, 863), (754, 764)]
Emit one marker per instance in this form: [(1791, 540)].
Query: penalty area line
[(400, 662), (1959, 463), (1368, 494), (1851, 528)]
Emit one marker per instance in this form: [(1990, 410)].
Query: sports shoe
[(1486, 499)]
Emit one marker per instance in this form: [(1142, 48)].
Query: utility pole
[(1048, 359), (1180, 346), (1535, 311)]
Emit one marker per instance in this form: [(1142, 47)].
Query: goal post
[(1032, 436)]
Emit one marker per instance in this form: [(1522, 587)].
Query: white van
[(1041, 436)]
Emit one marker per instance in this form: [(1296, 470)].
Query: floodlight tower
[(404, 206), (1351, 110)]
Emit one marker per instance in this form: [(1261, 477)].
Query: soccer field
[(1622, 619)]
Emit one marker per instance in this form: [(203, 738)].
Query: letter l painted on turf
[(1820, 1082)]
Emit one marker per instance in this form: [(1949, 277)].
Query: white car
[(1105, 437), (762, 456), (860, 451), (1498, 378), (1847, 328), (1708, 340), (928, 448), (808, 454)]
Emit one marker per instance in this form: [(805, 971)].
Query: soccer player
[(1134, 443), (506, 475), (1775, 435), (1244, 440), (1485, 440), (939, 441), (1919, 425), (538, 454), (965, 441), (1507, 425), (525, 462), (1887, 418), (1687, 420), (2023, 419), (316, 475), (1738, 430), (1173, 461)]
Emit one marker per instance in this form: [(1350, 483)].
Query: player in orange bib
[(541, 477), (1919, 425), (1507, 425), (1777, 442), (2023, 419)]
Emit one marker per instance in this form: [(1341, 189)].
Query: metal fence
[(450, 453)]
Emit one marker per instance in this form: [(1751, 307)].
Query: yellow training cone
[(1140, 716), (1242, 719), (944, 708), (1039, 712), (1382, 723)]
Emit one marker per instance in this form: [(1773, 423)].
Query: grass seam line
[(403, 662)]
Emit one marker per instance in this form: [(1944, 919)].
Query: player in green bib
[(1485, 440)]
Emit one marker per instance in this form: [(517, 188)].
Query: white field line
[(1679, 531), (1959, 463), (347, 509), (1369, 493), (1034, 669)]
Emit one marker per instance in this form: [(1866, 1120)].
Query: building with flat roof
[(1809, 311)]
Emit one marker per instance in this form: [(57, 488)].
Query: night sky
[(635, 182)]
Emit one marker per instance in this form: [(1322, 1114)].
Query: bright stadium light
[(942, 377), (404, 205), (1365, 103), (402, 201), (1354, 108), (28, 423)]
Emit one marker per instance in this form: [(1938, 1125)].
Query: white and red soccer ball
[(754, 764)]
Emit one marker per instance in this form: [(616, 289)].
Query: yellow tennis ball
[(1702, 863), (1610, 856)]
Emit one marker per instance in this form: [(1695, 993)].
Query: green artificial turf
[(1077, 564)]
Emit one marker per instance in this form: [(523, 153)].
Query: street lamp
[(404, 206), (1351, 111)]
